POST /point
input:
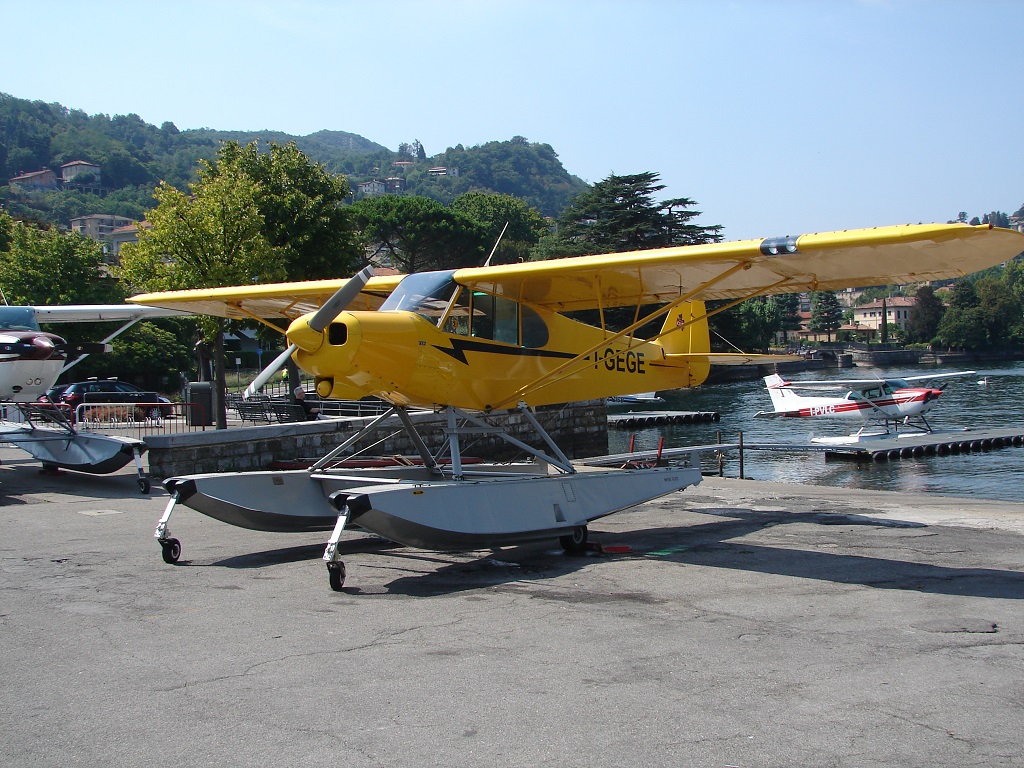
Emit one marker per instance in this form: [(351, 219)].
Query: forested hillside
[(134, 156)]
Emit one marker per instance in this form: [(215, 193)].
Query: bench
[(253, 410), (287, 413)]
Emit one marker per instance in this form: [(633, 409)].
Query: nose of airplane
[(329, 353)]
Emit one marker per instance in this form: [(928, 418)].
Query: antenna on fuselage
[(496, 243), (4, 295)]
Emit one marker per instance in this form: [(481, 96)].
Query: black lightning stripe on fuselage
[(461, 346)]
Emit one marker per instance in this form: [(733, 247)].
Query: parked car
[(109, 391)]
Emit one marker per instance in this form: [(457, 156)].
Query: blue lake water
[(998, 474)]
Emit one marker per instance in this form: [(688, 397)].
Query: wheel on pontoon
[(336, 575), (171, 550), (144, 484), (576, 541)]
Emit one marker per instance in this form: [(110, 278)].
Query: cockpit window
[(18, 319), (425, 293)]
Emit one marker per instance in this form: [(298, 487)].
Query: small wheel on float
[(576, 541), (144, 485), (336, 575), (171, 550)]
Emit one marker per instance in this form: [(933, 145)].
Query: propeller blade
[(277, 364), (331, 308), (335, 305)]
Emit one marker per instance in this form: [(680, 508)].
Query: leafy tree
[(826, 313), (48, 266), (213, 237), (301, 206), (962, 324), (761, 317), (1000, 309), (415, 234), (620, 214), (525, 224), (925, 316), (789, 307)]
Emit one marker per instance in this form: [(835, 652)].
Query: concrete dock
[(748, 624)]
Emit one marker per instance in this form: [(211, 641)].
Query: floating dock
[(917, 444), (635, 419)]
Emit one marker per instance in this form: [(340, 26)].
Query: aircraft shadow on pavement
[(714, 544)]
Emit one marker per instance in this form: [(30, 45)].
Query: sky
[(777, 118)]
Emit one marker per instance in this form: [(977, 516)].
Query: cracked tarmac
[(750, 624)]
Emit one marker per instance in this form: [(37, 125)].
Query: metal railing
[(140, 419)]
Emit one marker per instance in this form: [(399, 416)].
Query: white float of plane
[(478, 341), (877, 401), (30, 362)]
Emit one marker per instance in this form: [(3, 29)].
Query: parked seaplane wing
[(848, 384), (272, 300), (732, 270), (101, 313)]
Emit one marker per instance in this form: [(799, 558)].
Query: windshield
[(18, 319), (425, 293)]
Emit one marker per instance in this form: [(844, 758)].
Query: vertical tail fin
[(782, 398), (685, 332)]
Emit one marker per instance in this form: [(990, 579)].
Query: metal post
[(741, 454)]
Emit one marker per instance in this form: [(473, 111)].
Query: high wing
[(100, 313), (874, 382), (741, 269), (733, 270), (287, 300)]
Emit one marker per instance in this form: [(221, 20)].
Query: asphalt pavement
[(738, 623)]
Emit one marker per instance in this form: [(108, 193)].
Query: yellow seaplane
[(479, 341)]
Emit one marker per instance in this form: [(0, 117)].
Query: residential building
[(897, 311), (45, 179)]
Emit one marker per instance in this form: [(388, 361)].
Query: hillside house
[(37, 180)]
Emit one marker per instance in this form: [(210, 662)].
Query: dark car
[(109, 391)]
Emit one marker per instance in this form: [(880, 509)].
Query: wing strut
[(567, 368)]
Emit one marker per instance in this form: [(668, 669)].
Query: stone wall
[(579, 429)]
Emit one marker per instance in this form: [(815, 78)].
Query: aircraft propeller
[(331, 308)]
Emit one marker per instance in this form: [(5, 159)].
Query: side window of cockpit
[(494, 318), (535, 330)]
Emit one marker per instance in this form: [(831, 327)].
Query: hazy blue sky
[(776, 117)]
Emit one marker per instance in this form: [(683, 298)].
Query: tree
[(826, 313), (213, 237), (925, 316), (525, 224), (789, 306), (962, 325), (48, 266), (414, 234), (620, 214), (1001, 311), (301, 207)]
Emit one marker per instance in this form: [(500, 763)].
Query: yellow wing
[(734, 270), (288, 300), (816, 262)]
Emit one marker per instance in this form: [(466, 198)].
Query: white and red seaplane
[(889, 402)]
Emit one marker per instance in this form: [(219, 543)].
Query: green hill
[(134, 156)]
